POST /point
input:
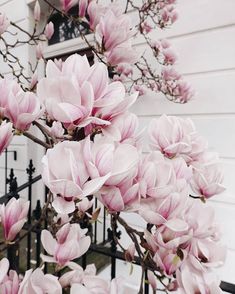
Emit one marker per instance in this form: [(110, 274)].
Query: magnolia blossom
[(13, 216), (96, 285), (175, 136), (192, 279), (207, 179), (9, 283), (76, 275), (95, 11), (114, 29), (4, 23), (120, 161), (4, 266), (158, 176), (37, 11), (39, 50), (36, 282), (123, 53), (65, 174), (82, 8), (67, 4), (70, 243), (22, 109), (6, 135), (49, 30), (7, 86), (203, 242), (124, 129), (56, 129), (78, 94)]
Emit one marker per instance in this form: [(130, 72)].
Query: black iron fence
[(25, 253)]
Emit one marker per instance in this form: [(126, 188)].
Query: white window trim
[(67, 47)]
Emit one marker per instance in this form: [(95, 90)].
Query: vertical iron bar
[(30, 170), (95, 223), (37, 214), (13, 249), (45, 226), (104, 226), (146, 284), (84, 261)]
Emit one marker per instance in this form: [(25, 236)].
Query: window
[(65, 29)]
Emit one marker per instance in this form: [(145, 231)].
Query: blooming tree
[(94, 147)]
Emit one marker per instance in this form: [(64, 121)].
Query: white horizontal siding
[(15, 10), (214, 93)]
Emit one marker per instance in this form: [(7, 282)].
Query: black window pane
[(65, 29)]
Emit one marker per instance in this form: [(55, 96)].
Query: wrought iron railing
[(28, 242)]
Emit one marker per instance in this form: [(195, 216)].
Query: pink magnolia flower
[(119, 197), (69, 92), (95, 11), (114, 30), (192, 279), (70, 243), (6, 135), (167, 261), (85, 204), (13, 216), (22, 109), (4, 23), (39, 51), (49, 30), (207, 179), (34, 80), (174, 136), (111, 105), (103, 157), (123, 53), (9, 283), (56, 130), (7, 86), (65, 174), (169, 56), (67, 4), (4, 267), (76, 275), (37, 11), (82, 8), (36, 282), (130, 252), (203, 242), (167, 211), (124, 129), (146, 27), (96, 285), (156, 176), (167, 135), (120, 161)]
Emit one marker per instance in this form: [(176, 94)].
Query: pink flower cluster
[(34, 282), (113, 30), (166, 13), (156, 186)]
